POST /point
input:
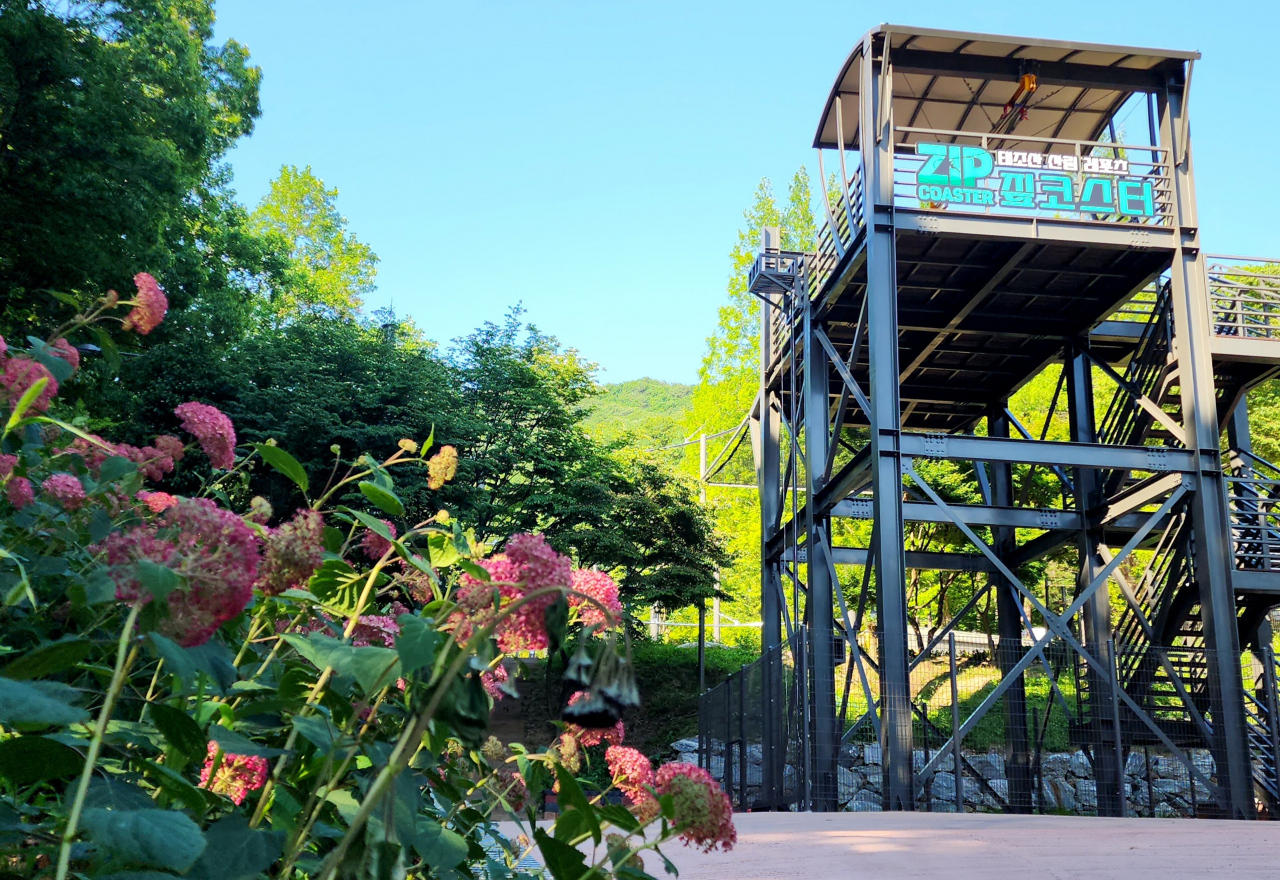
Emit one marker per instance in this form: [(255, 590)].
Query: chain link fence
[(1125, 733)]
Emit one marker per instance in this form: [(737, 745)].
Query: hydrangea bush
[(189, 689)]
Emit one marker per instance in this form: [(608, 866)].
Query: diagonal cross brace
[(851, 627), (1152, 408), (1055, 625), (843, 371)]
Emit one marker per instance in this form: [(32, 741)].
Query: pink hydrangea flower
[(631, 771), (20, 374), (236, 775), (702, 809), (149, 306), (4, 348), (528, 564), (66, 351), (214, 430), (171, 446), (374, 544), (493, 679), (64, 489), (591, 736), (19, 492), (157, 502), (293, 553), (213, 550), (152, 463), (94, 452), (7, 464), (603, 589)]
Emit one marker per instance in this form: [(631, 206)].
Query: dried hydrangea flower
[(149, 305), (442, 467), (702, 809), (214, 430), (293, 553)]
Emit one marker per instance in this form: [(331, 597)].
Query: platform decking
[(894, 846)]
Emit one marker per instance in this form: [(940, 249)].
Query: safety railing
[(1244, 294), (1253, 501), (1020, 175)]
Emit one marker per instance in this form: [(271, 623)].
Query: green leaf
[(619, 816), (175, 785), (211, 660), (28, 759), (117, 467), (479, 572), (110, 351), (237, 852), (383, 499), (375, 525), (571, 794), (416, 643), (24, 404), (442, 550), (337, 585), (333, 539), (284, 463), (180, 730), (138, 875), (372, 667), (47, 659), (39, 703), (160, 580), (320, 732), (563, 861), (147, 838), (440, 847), (236, 744), (112, 793), (61, 369)]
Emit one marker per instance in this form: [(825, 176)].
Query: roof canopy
[(958, 81)]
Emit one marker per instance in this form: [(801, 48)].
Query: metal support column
[(817, 411), (767, 430), (876, 116), (1097, 610), (1009, 650), (1214, 563)]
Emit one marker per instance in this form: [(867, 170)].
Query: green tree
[(111, 115), (332, 270)]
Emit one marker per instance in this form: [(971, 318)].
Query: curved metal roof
[(958, 81)]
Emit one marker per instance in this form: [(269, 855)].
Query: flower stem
[(124, 659)]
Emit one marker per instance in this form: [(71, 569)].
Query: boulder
[(1087, 795), (917, 760), (848, 782), (871, 754), (942, 806), (1167, 788), (1080, 765), (944, 788), (990, 765), (1168, 768), (690, 758), (1056, 764), (1136, 765), (850, 755), (1050, 803), (689, 744), (865, 801), (1164, 811), (755, 753), (1001, 788), (1061, 792)]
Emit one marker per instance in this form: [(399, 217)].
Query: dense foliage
[(197, 688)]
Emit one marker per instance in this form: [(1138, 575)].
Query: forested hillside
[(646, 412)]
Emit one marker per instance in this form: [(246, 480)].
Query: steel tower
[(986, 224)]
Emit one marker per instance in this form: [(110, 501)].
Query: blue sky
[(592, 160)]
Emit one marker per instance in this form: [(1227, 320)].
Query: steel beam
[(1096, 629), (1214, 564), (825, 737), (766, 432), (1009, 650), (876, 127), (1047, 452), (1009, 69), (922, 560), (1034, 229)]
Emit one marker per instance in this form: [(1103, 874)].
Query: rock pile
[(1068, 784)]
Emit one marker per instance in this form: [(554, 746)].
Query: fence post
[(702, 731), (1151, 790), (1273, 722), (727, 762), (1036, 776), (1119, 745), (924, 730), (957, 772), (742, 739)]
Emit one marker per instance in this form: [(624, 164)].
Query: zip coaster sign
[(952, 174)]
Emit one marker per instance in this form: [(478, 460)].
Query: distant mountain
[(649, 410)]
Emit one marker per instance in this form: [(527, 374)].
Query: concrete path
[(938, 846)]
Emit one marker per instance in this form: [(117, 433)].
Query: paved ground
[(892, 846)]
